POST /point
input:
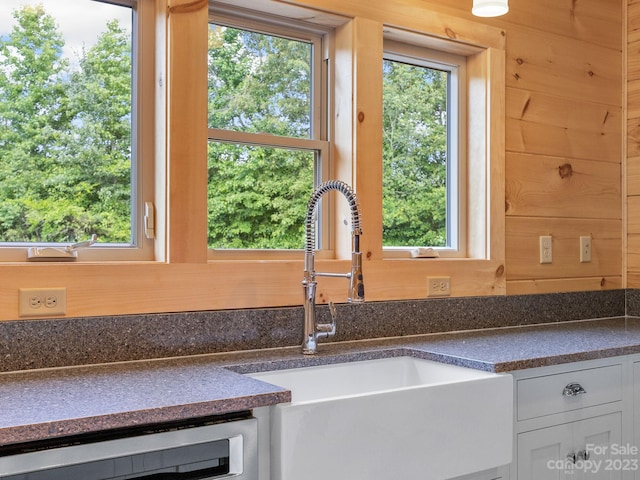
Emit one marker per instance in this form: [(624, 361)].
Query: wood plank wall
[(633, 144), (564, 169), (564, 139)]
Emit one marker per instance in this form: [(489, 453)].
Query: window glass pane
[(258, 196), (414, 155), (259, 83), (65, 121)]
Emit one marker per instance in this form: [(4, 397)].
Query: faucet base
[(310, 345)]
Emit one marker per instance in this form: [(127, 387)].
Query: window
[(423, 150), (72, 142), (267, 132)]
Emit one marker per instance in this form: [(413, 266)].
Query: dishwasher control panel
[(216, 451)]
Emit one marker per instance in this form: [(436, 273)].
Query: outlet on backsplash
[(438, 286)]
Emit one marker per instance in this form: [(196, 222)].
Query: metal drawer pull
[(582, 455), (573, 390)]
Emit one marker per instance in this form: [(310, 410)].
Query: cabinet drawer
[(546, 395)]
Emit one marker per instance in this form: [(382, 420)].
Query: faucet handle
[(328, 329), (356, 281), (332, 310)]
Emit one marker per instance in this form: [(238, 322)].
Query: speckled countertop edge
[(71, 401), (65, 401), (498, 350)]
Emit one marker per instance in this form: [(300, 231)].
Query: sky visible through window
[(80, 21)]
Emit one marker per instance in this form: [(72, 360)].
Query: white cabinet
[(569, 421), (578, 450)]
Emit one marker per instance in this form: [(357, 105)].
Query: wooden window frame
[(318, 143), (142, 132), (456, 66)]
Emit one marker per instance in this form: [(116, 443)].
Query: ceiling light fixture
[(490, 8)]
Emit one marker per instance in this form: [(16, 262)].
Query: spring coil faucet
[(312, 330)]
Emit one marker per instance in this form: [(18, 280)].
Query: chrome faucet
[(313, 330)]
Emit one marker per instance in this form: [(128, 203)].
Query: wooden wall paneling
[(522, 245), (149, 287), (540, 186), (633, 176), (562, 112), (407, 278), (529, 287), (549, 125), (593, 21), (562, 66), (633, 260), (564, 128), (633, 63), (633, 21), (633, 145), (633, 215), (633, 93), (633, 280), (118, 289), (633, 137), (543, 139)]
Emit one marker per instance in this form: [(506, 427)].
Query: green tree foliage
[(99, 147), (65, 142), (258, 84), (33, 116), (414, 155)]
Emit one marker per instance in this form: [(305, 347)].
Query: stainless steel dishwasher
[(217, 450)]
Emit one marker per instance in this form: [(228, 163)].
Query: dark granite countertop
[(42, 404), (57, 402)]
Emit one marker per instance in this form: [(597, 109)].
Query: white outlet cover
[(546, 249), (42, 302)]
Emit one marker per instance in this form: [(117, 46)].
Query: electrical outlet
[(42, 302), (438, 286), (585, 249), (546, 249)]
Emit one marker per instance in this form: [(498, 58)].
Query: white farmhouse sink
[(395, 418)]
